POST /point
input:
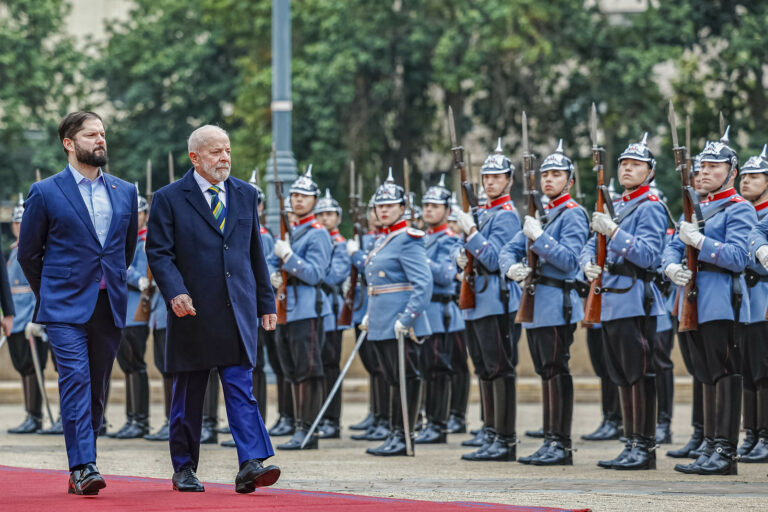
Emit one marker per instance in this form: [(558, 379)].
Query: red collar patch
[(722, 195), (441, 227), (496, 202), (637, 193), (560, 200), (761, 206), (394, 227), (263, 230)]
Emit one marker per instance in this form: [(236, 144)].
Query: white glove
[(352, 247), (283, 250), (461, 258), (677, 274), (762, 255), (33, 330), (592, 271), (364, 323), (400, 329), (518, 272), (465, 221), (346, 285), (690, 234), (143, 283), (276, 279), (602, 223), (532, 228)]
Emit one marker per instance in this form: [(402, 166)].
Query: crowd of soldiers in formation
[(410, 265)]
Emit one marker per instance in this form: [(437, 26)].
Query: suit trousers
[(245, 421), (84, 356)]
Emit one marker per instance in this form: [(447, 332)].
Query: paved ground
[(436, 473)]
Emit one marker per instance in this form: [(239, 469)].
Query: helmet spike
[(309, 171), (328, 194), (136, 184), (442, 178), (645, 139), (253, 180), (763, 154), (21, 196), (559, 147), (724, 138), (390, 178), (498, 149)]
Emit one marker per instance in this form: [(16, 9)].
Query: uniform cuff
[(710, 250), (621, 243)]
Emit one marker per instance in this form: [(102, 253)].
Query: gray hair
[(199, 138)]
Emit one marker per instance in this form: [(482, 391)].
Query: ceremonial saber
[(39, 374), (335, 388), (2, 341), (404, 393)]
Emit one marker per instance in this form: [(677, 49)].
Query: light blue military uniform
[(338, 272), (439, 247), (498, 223), (758, 294), (558, 249), (23, 297), (639, 240), (358, 260), (399, 283), (136, 271), (664, 320), (725, 246)]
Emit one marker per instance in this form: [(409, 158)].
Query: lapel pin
[(114, 186)]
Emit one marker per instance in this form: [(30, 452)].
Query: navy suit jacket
[(60, 252), (225, 274)]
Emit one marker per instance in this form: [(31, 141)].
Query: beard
[(219, 172), (91, 157)]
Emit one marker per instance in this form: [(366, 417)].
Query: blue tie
[(217, 207)]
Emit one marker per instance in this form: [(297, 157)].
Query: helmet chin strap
[(727, 178)]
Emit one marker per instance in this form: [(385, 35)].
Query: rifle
[(468, 203), (689, 316), (407, 188), (345, 316), (144, 307), (171, 176), (594, 304), (285, 233), (525, 310)]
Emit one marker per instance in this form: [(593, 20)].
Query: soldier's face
[(143, 219), (329, 220), (302, 204), (434, 214), (389, 213), (373, 220), (89, 144), (553, 183), (213, 161), (713, 174), (496, 185), (633, 172), (753, 186)]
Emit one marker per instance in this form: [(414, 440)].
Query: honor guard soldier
[(443, 313), (754, 352), (328, 212), (491, 333), (133, 342), (306, 259), (399, 289), (632, 300), (722, 257), (19, 345), (158, 322), (376, 425), (557, 238)]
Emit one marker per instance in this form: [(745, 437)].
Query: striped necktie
[(217, 207)]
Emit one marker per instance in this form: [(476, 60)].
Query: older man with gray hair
[(205, 252)]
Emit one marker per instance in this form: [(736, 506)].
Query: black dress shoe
[(750, 440), (86, 480), (759, 453), (456, 425), (663, 433), (478, 439), (693, 443), (489, 435), (223, 430), (160, 435), (135, 430), (54, 430), (363, 425), (208, 435), (294, 443), (528, 459), (329, 430), (393, 447), (229, 443), (253, 474), (431, 434), (30, 425), (121, 430), (609, 464), (559, 453), (503, 449), (536, 434), (722, 461), (642, 456), (284, 426), (608, 430), (186, 481), (693, 467)]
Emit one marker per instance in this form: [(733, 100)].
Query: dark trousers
[(493, 352), (628, 348), (437, 354), (84, 355), (754, 355), (551, 349), (663, 343), (386, 351), (245, 421), (21, 353), (609, 392), (158, 335), (331, 362), (713, 351), (300, 346), (133, 347)]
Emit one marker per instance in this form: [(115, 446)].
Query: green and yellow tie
[(217, 207)]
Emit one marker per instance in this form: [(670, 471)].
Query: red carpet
[(31, 490)]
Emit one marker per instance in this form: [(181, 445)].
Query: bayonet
[(171, 177)]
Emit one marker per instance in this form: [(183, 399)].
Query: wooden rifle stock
[(689, 314), (285, 229), (525, 310), (144, 307), (594, 304)]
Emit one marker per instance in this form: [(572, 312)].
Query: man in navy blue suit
[(204, 250), (77, 239)]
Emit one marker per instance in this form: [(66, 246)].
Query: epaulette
[(670, 231), (415, 233), (317, 225), (737, 199), (508, 206), (339, 238), (450, 232), (571, 204), (263, 230), (652, 197)]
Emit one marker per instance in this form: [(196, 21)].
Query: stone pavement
[(436, 473)]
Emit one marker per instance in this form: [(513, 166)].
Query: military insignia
[(415, 233)]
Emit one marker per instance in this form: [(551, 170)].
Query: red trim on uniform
[(761, 206), (441, 227), (334, 232), (143, 234), (637, 193), (560, 200), (394, 227), (721, 195), (497, 202), (263, 230), (308, 218)]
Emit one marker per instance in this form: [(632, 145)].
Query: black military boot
[(697, 421), (540, 433), (308, 394), (54, 430), (33, 404), (643, 454), (457, 423), (609, 429), (504, 446), (480, 438), (760, 451), (330, 425), (139, 427), (707, 447), (546, 428), (284, 425), (208, 434), (369, 420), (162, 432), (379, 430), (625, 395), (395, 444), (130, 407), (437, 403), (665, 389), (728, 416), (749, 415), (560, 452)]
